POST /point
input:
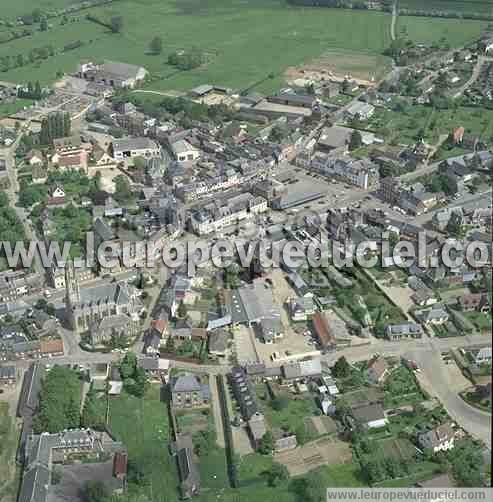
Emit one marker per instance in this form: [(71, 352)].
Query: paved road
[(395, 12), (427, 353), (475, 74), (436, 381)]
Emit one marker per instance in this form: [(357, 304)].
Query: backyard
[(142, 424)]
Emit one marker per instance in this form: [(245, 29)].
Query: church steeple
[(72, 290)]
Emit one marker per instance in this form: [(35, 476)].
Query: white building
[(135, 147), (183, 151), (361, 110)]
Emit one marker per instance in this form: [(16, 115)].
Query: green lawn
[(142, 425), (480, 320), (293, 415), (7, 109)]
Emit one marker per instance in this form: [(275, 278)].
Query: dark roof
[(368, 413)]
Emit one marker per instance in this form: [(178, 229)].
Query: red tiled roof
[(322, 330), (120, 461), (160, 325), (51, 346)]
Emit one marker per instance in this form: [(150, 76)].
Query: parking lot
[(244, 345), (292, 343)]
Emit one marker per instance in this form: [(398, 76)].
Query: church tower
[(72, 294)]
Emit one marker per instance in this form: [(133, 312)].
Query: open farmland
[(248, 44), (427, 30), (456, 6)]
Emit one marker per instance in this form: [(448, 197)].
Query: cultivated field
[(326, 451), (250, 43)]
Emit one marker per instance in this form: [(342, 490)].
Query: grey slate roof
[(186, 383)]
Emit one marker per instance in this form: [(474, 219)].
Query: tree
[(355, 141), (341, 368), (139, 162), (170, 345), (95, 491), (280, 403), (116, 24), (182, 310), (276, 134), (20, 60), (301, 434), (277, 474), (123, 192), (43, 25), (59, 401), (156, 45), (346, 86), (266, 443), (454, 225), (310, 488), (128, 365), (93, 413), (468, 463)]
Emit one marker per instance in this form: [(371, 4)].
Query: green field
[(426, 30), (247, 42), (462, 6), (142, 425)]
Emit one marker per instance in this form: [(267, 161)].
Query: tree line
[(32, 91), (55, 125)]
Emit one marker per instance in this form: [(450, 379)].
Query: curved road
[(394, 20)]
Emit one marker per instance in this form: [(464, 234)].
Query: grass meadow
[(248, 43)]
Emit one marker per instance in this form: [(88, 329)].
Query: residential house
[(440, 438), (35, 158), (301, 308), (51, 347), (257, 428), (219, 341), (70, 153), (480, 355), (360, 110), (475, 301), (155, 368), (397, 332), (322, 330), (187, 468), (436, 315), (189, 391), (371, 416), (8, 376), (244, 391), (378, 370)]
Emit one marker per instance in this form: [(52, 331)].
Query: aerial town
[(145, 380)]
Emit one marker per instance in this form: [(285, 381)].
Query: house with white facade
[(440, 438)]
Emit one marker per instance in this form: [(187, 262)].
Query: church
[(91, 309)]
